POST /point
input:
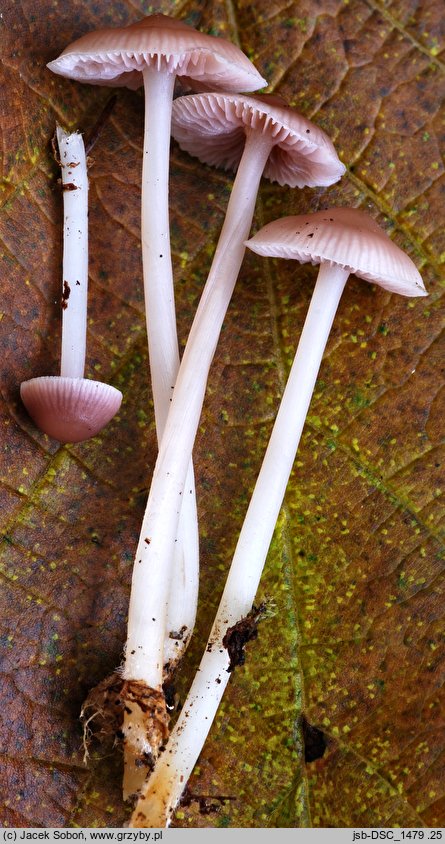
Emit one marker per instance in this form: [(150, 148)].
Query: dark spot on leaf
[(314, 741)]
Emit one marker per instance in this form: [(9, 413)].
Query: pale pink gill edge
[(211, 128), (70, 409), (346, 237), (118, 56)]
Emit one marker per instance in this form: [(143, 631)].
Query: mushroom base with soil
[(132, 714)]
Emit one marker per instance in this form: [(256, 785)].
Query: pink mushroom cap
[(70, 409), (118, 56), (346, 237), (213, 126)]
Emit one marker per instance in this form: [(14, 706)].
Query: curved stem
[(162, 336), (75, 253), (165, 786), (147, 611)]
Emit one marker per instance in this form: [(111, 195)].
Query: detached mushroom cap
[(118, 56), (212, 127), (347, 238), (70, 409)]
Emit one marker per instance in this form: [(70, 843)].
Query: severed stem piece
[(69, 407)]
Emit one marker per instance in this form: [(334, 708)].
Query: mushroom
[(268, 125), (342, 240), (69, 407), (261, 132), (152, 53)]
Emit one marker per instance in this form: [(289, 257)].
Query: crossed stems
[(163, 348), (164, 787), (153, 563)]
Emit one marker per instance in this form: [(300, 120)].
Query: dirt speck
[(178, 634), (65, 295), (172, 701), (239, 634), (208, 804)]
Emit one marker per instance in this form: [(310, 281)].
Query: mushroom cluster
[(254, 134)]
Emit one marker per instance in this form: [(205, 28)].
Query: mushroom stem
[(164, 788), (183, 595), (157, 268), (162, 337), (73, 166), (151, 573)]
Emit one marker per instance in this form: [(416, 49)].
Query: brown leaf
[(356, 647)]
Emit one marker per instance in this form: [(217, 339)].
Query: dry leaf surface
[(351, 667)]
